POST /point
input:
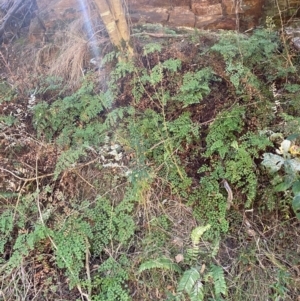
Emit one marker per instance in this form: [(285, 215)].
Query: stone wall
[(208, 14)]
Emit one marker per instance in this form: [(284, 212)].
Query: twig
[(5, 62), (26, 179), (229, 192), (283, 36), (87, 266), (83, 179), (160, 35)]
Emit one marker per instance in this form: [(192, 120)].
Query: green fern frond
[(160, 263), (197, 233), (190, 283), (215, 248), (197, 294), (192, 253), (68, 159), (220, 286), (172, 65), (152, 47)]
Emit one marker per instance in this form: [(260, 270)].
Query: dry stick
[(37, 189), (25, 179), (283, 36), (83, 179), (161, 35), (5, 62), (18, 200), (87, 266), (47, 175)]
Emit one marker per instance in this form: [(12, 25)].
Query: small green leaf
[(296, 205)]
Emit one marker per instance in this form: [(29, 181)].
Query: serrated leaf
[(296, 205), (160, 263), (188, 281), (272, 162)]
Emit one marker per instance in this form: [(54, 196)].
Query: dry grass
[(69, 54), (263, 267)]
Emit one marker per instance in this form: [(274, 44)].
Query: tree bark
[(120, 18), (114, 19), (109, 21)]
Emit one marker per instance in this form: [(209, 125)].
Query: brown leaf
[(179, 258)]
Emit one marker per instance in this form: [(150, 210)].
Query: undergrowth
[(131, 158)]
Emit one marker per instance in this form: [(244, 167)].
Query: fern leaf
[(68, 159), (220, 286), (160, 263), (188, 281), (216, 248), (197, 233), (197, 293)]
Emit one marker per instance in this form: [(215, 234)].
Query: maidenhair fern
[(195, 86), (71, 241), (223, 132), (68, 159), (117, 114), (111, 280), (6, 227), (152, 47)]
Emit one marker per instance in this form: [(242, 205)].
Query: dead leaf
[(202, 268), (179, 258)]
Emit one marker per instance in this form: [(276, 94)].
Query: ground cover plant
[(161, 182)]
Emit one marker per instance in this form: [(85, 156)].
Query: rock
[(230, 8), (206, 9), (212, 14), (182, 16), (294, 35), (296, 43), (149, 14), (158, 3), (205, 21)]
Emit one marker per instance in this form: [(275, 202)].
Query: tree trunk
[(114, 19), (120, 18)]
